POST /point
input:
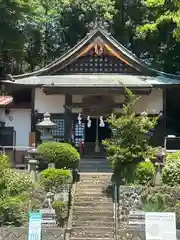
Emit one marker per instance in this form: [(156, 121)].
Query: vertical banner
[(35, 220)]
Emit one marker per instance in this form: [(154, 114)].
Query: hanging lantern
[(101, 124), (88, 122), (79, 119)]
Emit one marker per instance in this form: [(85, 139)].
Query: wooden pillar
[(33, 116), (68, 118), (164, 111)]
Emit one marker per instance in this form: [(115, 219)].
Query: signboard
[(35, 220), (160, 226)]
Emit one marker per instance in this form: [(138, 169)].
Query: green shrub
[(53, 178), (12, 211), (63, 155), (145, 173), (61, 209), (17, 182), (173, 156), (4, 162), (171, 173)]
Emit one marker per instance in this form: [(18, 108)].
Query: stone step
[(92, 180), (91, 166), (96, 223), (93, 160), (95, 170), (98, 165), (93, 229), (85, 238), (94, 177), (91, 185), (98, 198), (91, 191), (88, 214), (93, 209), (91, 217), (96, 233), (92, 204)]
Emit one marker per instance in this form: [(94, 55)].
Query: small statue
[(48, 200)]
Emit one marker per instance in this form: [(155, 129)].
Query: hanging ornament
[(79, 119), (88, 122), (101, 124)]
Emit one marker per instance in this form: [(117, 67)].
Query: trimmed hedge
[(52, 178), (171, 172), (145, 173), (63, 155)]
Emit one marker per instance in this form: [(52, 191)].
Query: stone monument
[(48, 213)]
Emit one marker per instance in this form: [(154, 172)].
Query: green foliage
[(61, 209), (14, 191), (145, 173), (160, 34), (63, 155), (4, 162), (162, 199), (173, 156), (130, 139), (171, 173), (155, 203), (16, 182), (53, 178), (12, 211)]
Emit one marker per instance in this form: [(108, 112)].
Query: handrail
[(115, 212), (16, 147), (70, 217)]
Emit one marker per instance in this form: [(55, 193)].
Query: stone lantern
[(159, 163), (46, 128), (33, 162)]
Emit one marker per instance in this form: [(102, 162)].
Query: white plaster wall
[(152, 103), (20, 119), (49, 103)]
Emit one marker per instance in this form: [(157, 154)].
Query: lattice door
[(78, 133)]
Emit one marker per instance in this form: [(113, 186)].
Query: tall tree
[(160, 34)]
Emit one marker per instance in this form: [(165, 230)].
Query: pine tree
[(129, 142)]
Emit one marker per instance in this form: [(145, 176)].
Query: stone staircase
[(94, 163), (93, 208)]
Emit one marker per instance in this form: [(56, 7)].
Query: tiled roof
[(5, 100)]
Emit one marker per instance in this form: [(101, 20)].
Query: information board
[(35, 220), (160, 226)]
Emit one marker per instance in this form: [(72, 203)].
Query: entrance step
[(95, 165)]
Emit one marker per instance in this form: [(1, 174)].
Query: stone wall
[(13, 233), (129, 200)]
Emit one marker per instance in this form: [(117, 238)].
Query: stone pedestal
[(48, 217), (33, 162), (158, 177), (32, 166), (136, 219)]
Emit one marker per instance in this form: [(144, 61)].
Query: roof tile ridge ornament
[(98, 25)]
